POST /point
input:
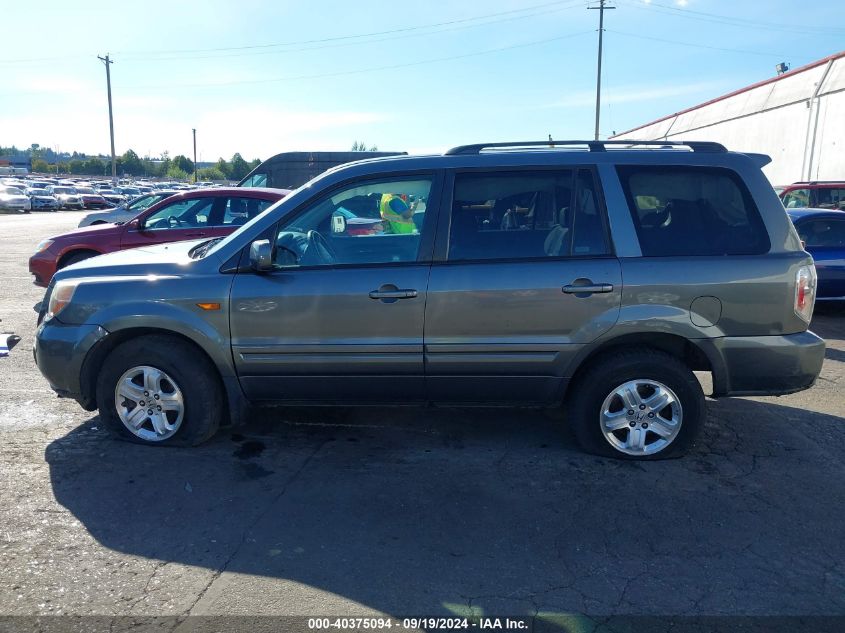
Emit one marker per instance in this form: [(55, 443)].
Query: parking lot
[(412, 512)]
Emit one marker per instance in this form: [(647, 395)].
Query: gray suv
[(593, 276)]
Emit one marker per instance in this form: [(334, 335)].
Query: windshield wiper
[(200, 250)]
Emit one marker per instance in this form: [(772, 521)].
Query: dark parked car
[(823, 234), (188, 216), (589, 276)]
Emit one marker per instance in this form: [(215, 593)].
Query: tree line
[(177, 168)]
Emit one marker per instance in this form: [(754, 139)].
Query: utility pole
[(602, 6), (108, 63), (195, 155)]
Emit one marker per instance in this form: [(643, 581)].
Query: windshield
[(144, 202), (39, 192), (255, 180), (85, 190), (64, 190), (288, 202), (14, 191)]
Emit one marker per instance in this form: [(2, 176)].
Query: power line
[(691, 44), (353, 43), (733, 21), (559, 5), (355, 36), (360, 70), (753, 22)]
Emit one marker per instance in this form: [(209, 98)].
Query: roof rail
[(593, 146)]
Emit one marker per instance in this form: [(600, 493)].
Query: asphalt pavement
[(414, 512)]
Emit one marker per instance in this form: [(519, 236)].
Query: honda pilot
[(595, 277)]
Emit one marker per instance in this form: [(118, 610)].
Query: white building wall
[(805, 136)]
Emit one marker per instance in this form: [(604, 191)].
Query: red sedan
[(191, 215)]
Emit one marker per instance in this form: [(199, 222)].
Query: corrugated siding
[(775, 119)]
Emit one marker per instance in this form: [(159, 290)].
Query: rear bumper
[(765, 365)]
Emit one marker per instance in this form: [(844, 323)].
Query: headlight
[(61, 296), (43, 245)]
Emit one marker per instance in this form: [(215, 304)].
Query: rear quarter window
[(694, 211)]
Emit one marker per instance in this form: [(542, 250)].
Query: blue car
[(823, 234)]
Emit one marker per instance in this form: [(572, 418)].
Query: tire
[(184, 372), (73, 258), (647, 377)]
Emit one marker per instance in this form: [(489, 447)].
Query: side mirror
[(135, 225), (261, 256)]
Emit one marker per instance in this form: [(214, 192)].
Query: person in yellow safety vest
[(397, 215)]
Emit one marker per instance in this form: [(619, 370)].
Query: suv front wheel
[(637, 404), (158, 390)]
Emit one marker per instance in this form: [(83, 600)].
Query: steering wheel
[(658, 218), (174, 221), (324, 251)]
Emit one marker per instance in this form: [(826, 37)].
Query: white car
[(67, 196), (126, 211), (14, 198)]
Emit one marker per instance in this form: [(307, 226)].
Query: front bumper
[(44, 204), (42, 266), (16, 205), (60, 350), (765, 365), (71, 203)]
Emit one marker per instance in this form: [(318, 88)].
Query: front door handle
[(393, 294), (587, 289)]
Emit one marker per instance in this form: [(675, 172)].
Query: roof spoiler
[(761, 160)]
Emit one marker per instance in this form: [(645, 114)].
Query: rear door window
[(823, 233), (526, 215), (829, 198), (241, 210), (689, 210)]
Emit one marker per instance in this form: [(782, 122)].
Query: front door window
[(372, 223), (184, 214), (797, 198)]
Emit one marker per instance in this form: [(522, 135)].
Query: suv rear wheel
[(638, 404), (157, 390)]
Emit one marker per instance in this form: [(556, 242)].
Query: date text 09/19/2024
[(424, 623)]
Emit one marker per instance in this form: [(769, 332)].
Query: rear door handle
[(587, 289), (393, 294), (200, 234)]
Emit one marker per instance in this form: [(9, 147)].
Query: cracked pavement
[(412, 512)]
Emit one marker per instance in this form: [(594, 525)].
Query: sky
[(263, 77)]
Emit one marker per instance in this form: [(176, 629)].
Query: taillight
[(805, 292)]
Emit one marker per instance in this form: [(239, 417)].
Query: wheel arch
[(234, 399), (697, 355), (62, 261)]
